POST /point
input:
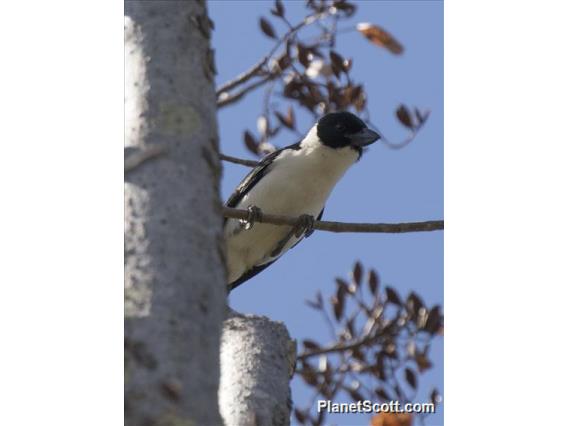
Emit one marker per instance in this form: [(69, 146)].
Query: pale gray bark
[(257, 362), (174, 262)]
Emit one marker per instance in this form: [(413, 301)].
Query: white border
[(61, 226), (61, 222), (506, 192)]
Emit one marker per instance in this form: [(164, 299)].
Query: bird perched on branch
[(293, 181)]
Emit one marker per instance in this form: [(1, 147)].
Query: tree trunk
[(257, 362), (174, 261)]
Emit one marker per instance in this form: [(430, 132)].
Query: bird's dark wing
[(254, 176), (257, 269), (249, 274)]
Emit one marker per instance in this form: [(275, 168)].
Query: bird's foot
[(254, 214), (304, 226)]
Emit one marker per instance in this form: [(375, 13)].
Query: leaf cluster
[(309, 73), (380, 344)]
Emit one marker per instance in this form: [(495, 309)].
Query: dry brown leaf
[(380, 37), (392, 419)]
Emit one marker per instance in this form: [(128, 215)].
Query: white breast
[(297, 182)]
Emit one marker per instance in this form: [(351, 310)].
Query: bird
[(295, 181)]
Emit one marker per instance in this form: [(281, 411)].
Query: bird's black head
[(343, 129)]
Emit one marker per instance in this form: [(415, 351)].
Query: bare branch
[(247, 75), (367, 337), (223, 101), (322, 225), (340, 347), (235, 160), (399, 145)]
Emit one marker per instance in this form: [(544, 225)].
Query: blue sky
[(385, 186)]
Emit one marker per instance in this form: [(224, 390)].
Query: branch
[(235, 160), (405, 142), (340, 347), (368, 336), (394, 145), (230, 99), (322, 225), (247, 75)]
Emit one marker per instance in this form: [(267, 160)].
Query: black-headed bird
[(295, 181)]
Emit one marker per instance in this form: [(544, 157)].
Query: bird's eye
[(340, 127)]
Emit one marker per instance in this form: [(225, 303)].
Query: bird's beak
[(364, 137)]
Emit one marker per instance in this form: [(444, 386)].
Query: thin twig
[(392, 145), (245, 76), (142, 155), (322, 225), (251, 72), (340, 347), (249, 163), (231, 99), (369, 335)]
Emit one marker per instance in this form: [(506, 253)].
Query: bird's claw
[(304, 225), (254, 214)]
